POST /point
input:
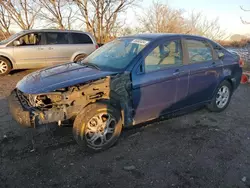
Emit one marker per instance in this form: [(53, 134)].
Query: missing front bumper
[(20, 114), (31, 117)]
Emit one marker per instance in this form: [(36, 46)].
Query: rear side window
[(198, 51), (79, 38), (57, 38)]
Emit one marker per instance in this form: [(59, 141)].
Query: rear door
[(57, 48), (31, 51), (160, 81), (205, 70)]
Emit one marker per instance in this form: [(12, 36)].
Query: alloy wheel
[(100, 129), (3, 67), (222, 97)]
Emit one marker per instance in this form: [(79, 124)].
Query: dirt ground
[(200, 149)]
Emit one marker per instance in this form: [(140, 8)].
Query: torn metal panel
[(66, 103)]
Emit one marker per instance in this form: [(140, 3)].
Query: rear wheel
[(5, 66), (222, 97), (80, 57), (97, 127)]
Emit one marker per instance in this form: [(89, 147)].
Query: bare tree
[(100, 16), (4, 22), (58, 13), (161, 18), (22, 12), (199, 24), (242, 20)]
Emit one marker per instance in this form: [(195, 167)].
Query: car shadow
[(20, 71)]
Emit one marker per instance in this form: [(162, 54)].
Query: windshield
[(116, 55), (11, 38)]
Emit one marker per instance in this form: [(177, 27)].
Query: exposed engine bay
[(66, 103)]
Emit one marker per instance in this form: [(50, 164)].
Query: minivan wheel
[(80, 57), (221, 98), (97, 127), (5, 66)]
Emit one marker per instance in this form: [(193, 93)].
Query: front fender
[(8, 56)]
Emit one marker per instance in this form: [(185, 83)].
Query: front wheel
[(97, 127), (221, 98), (5, 66)]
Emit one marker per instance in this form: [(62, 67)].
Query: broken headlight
[(45, 100)]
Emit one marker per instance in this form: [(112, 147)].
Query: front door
[(205, 70), (156, 87), (31, 52)]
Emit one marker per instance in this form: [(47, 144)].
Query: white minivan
[(41, 48)]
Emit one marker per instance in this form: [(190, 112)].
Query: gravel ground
[(199, 149)]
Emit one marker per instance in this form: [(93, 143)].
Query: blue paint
[(153, 93)]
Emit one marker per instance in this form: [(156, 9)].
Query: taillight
[(241, 62), (96, 46)]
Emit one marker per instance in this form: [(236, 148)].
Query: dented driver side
[(65, 104)]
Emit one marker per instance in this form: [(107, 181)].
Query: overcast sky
[(228, 11)]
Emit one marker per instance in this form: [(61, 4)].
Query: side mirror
[(16, 43), (220, 55)]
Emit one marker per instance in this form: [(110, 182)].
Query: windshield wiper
[(90, 65)]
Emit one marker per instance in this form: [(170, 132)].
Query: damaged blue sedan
[(128, 81)]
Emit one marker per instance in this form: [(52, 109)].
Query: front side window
[(163, 56), (57, 38), (198, 51), (118, 54), (79, 38), (30, 39)]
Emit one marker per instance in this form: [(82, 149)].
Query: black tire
[(80, 57), (6, 66), (82, 122), (213, 106)]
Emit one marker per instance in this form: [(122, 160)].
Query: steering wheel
[(164, 54)]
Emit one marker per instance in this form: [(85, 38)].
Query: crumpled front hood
[(57, 77)]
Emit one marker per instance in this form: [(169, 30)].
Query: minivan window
[(57, 38), (198, 51), (30, 39), (79, 38), (164, 55)]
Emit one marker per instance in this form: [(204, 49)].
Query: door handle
[(176, 72)]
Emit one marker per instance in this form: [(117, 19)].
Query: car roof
[(154, 36), (54, 30)]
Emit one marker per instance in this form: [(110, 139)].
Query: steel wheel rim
[(222, 97), (3, 67), (100, 129)]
